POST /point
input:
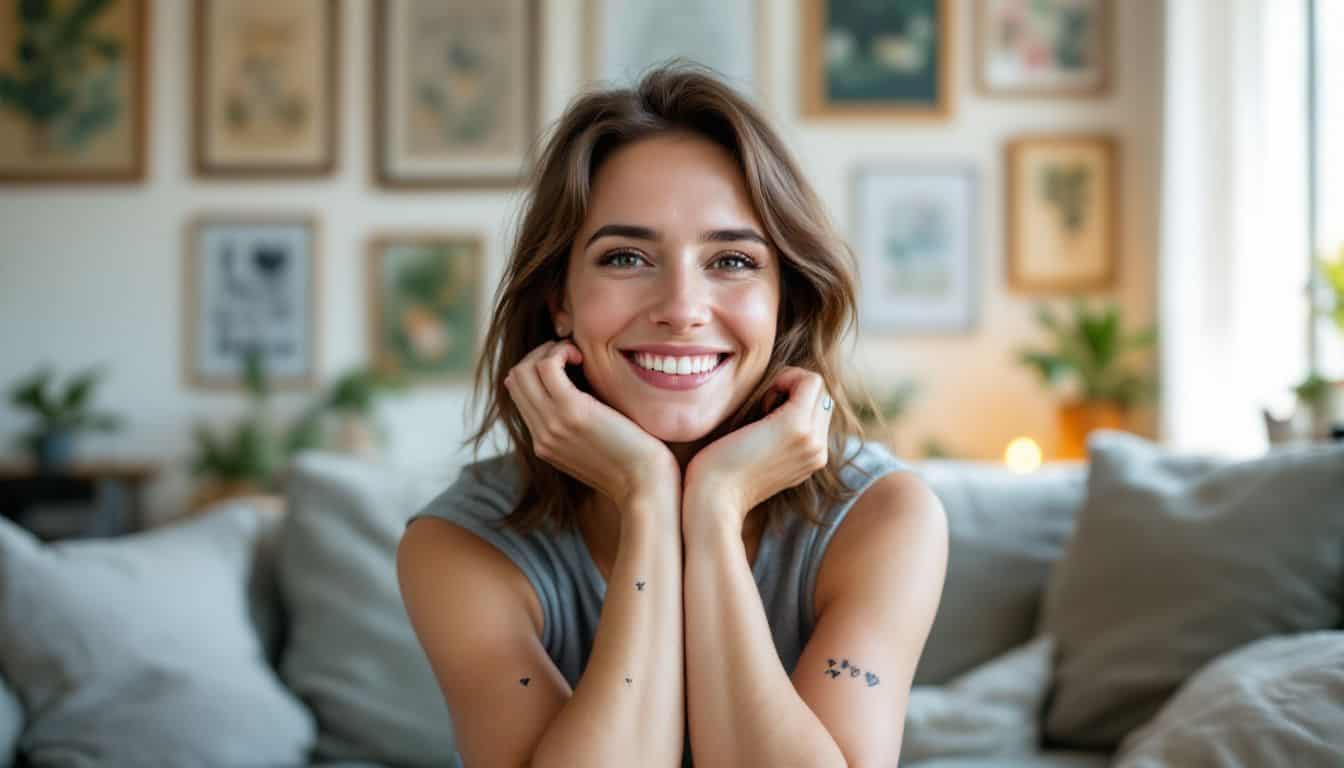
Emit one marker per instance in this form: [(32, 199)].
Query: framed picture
[(425, 305), (73, 91), (1043, 47), (886, 59), (627, 37), (455, 91), (266, 98), (1063, 204), (251, 279), (914, 233)]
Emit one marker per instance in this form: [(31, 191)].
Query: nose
[(682, 297)]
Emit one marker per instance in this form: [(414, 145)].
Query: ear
[(561, 319)]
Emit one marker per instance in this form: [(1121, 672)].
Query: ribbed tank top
[(570, 588)]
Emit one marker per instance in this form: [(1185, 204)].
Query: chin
[(674, 426)]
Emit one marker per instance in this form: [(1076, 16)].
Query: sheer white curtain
[(1233, 304)]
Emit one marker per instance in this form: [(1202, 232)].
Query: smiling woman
[(664, 359)]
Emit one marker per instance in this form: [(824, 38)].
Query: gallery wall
[(95, 273)]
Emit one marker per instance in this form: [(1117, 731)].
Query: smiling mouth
[(680, 381)]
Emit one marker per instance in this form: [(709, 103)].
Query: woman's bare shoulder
[(439, 549)]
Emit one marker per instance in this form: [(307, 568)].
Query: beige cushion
[(1178, 559)]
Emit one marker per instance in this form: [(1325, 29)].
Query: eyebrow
[(645, 233)]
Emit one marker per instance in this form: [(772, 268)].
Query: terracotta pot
[(1076, 420)]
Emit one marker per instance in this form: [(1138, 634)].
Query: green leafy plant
[(1313, 390), (888, 407), (255, 451), (1333, 271), (65, 74), (1093, 349), (60, 414)]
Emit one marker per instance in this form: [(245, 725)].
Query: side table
[(89, 499)]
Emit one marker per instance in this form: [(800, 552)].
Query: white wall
[(93, 274)]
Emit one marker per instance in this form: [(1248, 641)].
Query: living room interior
[(251, 248)]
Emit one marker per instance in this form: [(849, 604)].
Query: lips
[(675, 381)]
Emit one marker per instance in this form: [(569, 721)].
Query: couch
[(253, 636)]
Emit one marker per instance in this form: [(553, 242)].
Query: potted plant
[(1091, 351), (248, 459), (61, 415), (252, 458)]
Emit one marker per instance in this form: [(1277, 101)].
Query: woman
[(685, 527)]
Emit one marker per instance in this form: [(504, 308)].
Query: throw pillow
[(11, 723), (351, 653), (1005, 533), (1278, 701), (1178, 559), (992, 710), (141, 650)]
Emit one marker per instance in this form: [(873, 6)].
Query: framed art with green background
[(1063, 208), (424, 305), (886, 59), (73, 90)]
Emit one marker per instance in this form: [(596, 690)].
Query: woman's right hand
[(584, 437)]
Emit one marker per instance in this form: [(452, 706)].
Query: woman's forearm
[(629, 706), (743, 708)]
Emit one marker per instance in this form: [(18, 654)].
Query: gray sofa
[(252, 637)]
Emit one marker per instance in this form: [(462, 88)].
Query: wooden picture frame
[(101, 135), (872, 63), (613, 55), (421, 140), (426, 301), (1063, 210), (265, 100), (916, 240), (1010, 39), (250, 277)]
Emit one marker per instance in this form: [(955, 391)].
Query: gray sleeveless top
[(571, 589)]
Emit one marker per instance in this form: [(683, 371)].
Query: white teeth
[(679, 366)]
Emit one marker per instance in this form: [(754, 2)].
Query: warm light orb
[(1022, 455)]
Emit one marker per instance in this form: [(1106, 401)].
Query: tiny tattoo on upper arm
[(639, 585), (525, 681), (854, 671), (627, 681)]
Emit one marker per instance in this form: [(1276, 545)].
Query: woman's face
[(672, 271)]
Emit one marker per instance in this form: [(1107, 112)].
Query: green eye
[(621, 259)]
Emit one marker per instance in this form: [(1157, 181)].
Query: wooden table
[(88, 499)]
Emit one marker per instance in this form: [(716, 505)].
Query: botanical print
[(1061, 210), (456, 98), (1043, 45), (426, 301), (915, 247), (884, 52), (267, 81), (252, 283), (639, 34), (71, 89)]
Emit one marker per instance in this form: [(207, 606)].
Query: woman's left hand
[(730, 476)]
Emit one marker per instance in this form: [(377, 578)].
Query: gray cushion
[(1278, 701), (1005, 532), (992, 710), (1178, 559), (351, 653), (140, 650), (1050, 759), (11, 722)]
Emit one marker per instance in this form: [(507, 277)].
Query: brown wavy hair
[(817, 291)]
